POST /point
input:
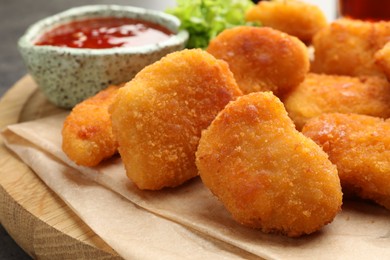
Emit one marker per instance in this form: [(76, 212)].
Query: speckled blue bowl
[(69, 75)]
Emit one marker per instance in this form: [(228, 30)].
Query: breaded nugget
[(296, 18), (382, 59), (266, 173), (347, 47), (158, 116), (319, 94), (360, 147), (262, 59), (87, 136)]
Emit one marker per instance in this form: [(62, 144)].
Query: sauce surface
[(103, 33)]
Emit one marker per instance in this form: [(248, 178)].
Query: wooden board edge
[(12, 211)]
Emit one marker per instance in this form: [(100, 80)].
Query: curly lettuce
[(205, 19)]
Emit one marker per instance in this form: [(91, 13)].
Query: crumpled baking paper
[(183, 222)]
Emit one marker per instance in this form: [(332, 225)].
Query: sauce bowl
[(67, 75)]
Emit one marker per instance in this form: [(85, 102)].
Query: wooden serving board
[(36, 218)]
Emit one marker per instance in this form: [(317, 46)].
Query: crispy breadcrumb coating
[(382, 59), (158, 116), (320, 93), (347, 47), (360, 147), (266, 173), (87, 136), (295, 18), (262, 59)]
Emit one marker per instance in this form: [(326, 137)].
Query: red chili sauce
[(103, 33)]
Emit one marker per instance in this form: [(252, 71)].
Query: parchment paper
[(187, 221)]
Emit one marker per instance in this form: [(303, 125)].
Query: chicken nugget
[(347, 47), (266, 173), (359, 145), (87, 136), (295, 18), (262, 59), (382, 59), (320, 93), (158, 116)]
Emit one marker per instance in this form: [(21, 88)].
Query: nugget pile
[(87, 137), (293, 17), (262, 59), (266, 173), (348, 47), (158, 117), (275, 136), (360, 147), (321, 93), (382, 59)]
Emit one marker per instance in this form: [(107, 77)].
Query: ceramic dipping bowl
[(68, 75)]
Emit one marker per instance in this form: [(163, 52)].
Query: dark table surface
[(15, 17)]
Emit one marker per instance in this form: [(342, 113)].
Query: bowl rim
[(26, 41)]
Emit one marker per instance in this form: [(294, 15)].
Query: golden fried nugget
[(87, 136), (347, 47), (262, 59), (318, 94), (158, 116), (382, 59), (295, 18), (266, 173), (359, 145)]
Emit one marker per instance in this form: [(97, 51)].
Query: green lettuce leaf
[(205, 19)]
